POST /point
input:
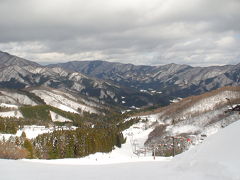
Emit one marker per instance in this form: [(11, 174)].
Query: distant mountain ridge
[(10, 60), (171, 79), (18, 73), (124, 85)]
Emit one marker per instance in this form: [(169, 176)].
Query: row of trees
[(76, 143), (62, 144), (16, 148), (94, 133), (10, 125)]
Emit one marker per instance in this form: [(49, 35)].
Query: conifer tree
[(28, 145), (23, 135)]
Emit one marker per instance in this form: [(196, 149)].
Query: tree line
[(104, 134)]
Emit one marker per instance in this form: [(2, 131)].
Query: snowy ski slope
[(215, 159)]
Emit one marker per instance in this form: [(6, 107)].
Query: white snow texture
[(216, 159)]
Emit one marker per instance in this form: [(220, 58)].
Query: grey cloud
[(138, 31)]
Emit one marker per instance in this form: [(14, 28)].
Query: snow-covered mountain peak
[(10, 60)]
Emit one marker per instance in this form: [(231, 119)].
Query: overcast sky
[(151, 32)]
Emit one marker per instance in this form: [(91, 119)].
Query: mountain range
[(171, 79), (121, 85), (90, 96)]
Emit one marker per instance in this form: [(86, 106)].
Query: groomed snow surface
[(217, 158)]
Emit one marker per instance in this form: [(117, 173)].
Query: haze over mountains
[(115, 83)]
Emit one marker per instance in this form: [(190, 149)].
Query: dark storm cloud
[(197, 32)]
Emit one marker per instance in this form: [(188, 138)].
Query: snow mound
[(218, 152)]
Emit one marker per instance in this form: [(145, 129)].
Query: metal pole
[(173, 149), (229, 102), (154, 155)]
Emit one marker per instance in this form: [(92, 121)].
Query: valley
[(119, 90), (102, 113)]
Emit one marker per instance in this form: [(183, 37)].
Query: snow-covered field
[(63, 101), (58, 118), (217, 158), (16, 114), (8, 105), (33, 131), (209, 103), (15, 98), (55, 98)]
